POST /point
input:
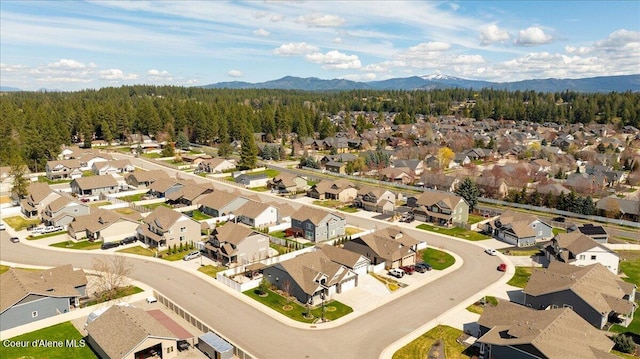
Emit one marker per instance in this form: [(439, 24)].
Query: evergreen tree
[(468, 190), (20, 182), (248, 151), (182, 142)]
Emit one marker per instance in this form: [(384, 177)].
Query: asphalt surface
[(263, 336)]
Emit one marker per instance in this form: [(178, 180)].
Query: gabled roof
[(251, 209), (149, 176), (59, 203), (118, 343), (71, 164), (233, 233), (162, 185), (116, 164), (389, 243), (56, 282), (376, 191), (307, 269), (594, 284), (99, 219), (189, 192), (441, 199), (217, 199), (576, 243), (38, 191), (314, 215), (341, 256), (163, 217), (555, 333), (95, 182)]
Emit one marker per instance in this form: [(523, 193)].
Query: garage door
[(348, 284)]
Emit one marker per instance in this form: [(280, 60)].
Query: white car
[(192, 255), (396, 272), (2, 227), (38, 230), (491, 251)]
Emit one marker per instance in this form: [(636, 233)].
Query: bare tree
[(286, 289), (113, 274)]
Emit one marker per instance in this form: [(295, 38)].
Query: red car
[(502, 267), (408, 269)]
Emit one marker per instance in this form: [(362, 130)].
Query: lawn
[(124, 210), (439, 260), (152, 155), (524, 251), (521, 277), (141, 251), (455, 232), (275, 301), (19, 223), (211, 271), (279, 234), (88, 173), (152, 253), (350, 231), (348, 209), (52, 234), (199, 216), (99, 204), (478, 307), (473, 218), (133, 197), (120, 293), (630, 265), (329, 203), (46, 180), (419, 348), (85, 245), (64, 333), (153, 206), (557, 231), (5, 199), (391, 284)]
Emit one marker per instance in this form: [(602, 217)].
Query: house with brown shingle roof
[(189, 194), (163, 187), (94, 185), (581, 250), (519, 229), (375, 199), (237, 243), (40, 195), (256, 214), (441, 208), (311, 276), (221, 203), (165, 227), (64, 169), (510, 330), (318, 225), (29, 296), (340, 190), (287, 183), (104, 225), (112, 167), (143, 337), (143, 179), (596, 294), (216, 165), (352, 260), (62, 211), (389, 245)]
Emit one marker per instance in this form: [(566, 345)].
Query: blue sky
[(91, 44)]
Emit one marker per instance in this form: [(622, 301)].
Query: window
[(34, 314), (567, 306), (582, 257), (182, 238), (593, 258), (183, 229), (169, 350)]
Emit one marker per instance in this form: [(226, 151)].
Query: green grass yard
[(83, 245), (454, 232), (64, 333), (630, 266), (133, 197), (521, 277), (419, 348), (211, 271), (199, 216), (439, 260), (19, 223)]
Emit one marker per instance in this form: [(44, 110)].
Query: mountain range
[(431, 82)]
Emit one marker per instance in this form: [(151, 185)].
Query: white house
[(256, 214), (581, 250)]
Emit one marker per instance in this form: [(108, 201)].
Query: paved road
[(258, 333)]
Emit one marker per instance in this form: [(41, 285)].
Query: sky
[(74, 45)]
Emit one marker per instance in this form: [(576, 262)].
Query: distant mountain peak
[(438, 76)]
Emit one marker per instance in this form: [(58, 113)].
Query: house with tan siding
[(165, 227), (39, 197), (237, 243), (62, 211)]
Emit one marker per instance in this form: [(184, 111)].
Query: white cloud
[(533, 36), (235, 73), (12, 68), (361, 77), (260, 14), (276, 18), (115, 75), (158, 73), (492, 33), (337, 40), (68, 64), (295, 49), (577, 50), (261, 32), (334, 60), (319, 20), (620, 40)]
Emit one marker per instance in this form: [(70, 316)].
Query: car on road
[(2, 227), (107, 245), (128, 240), (192, 255), (14, 239), (502, 267), (423, 267), (396, 272), (408, 269), (491, 251), (151, 300)]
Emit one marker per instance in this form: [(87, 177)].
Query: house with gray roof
[(519, 229), (94, 185), (391, 246), (510, 330), (221, 203), (236, 243), (144, 336), (626, 208), (104, 225), (596, 232), (252, 180), (40, 195), (318, 225), (189, 194), (441, 208), (310, 277), (29, 296), (62, 211), (581, 250), (165, 227), (592, 291)]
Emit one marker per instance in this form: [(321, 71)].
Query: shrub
[(624, 343)]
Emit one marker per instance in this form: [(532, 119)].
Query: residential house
[(256, 214), (441, 208), (284, 211), (310, 277), (580, 250), (318, 225), (189, 194), (510, 330), (482, 154), (29, 296), (459, 160), (439, 181), (144, 337), (619, 208), (592, 291), (340, 157), (353, 261), (40, 195), (391, 246), (216, 165), (164, 187), (104, 225), (554, 189), (112, 167), (165, 227), (94, 185), (519, 229), (64, 169), (287, 183), (339, 190), (221, 203), (375, 199), (416, 166), (143, 179), (234, 243), (62, 211), (88, 159), (597, 233), (403, 175), (492, 187), (7, 179), (541, 165), (336, 167), (252, 180)]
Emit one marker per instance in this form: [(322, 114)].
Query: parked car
[(151, 300), (51, 229), (31, 227), (502, 267), (107, 245), (396, 272), (408, 269), (423, 267), (192, 255), (38, 230), (128, 240), (491, 251), (14, 239), (559, 219), (2, 227)]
